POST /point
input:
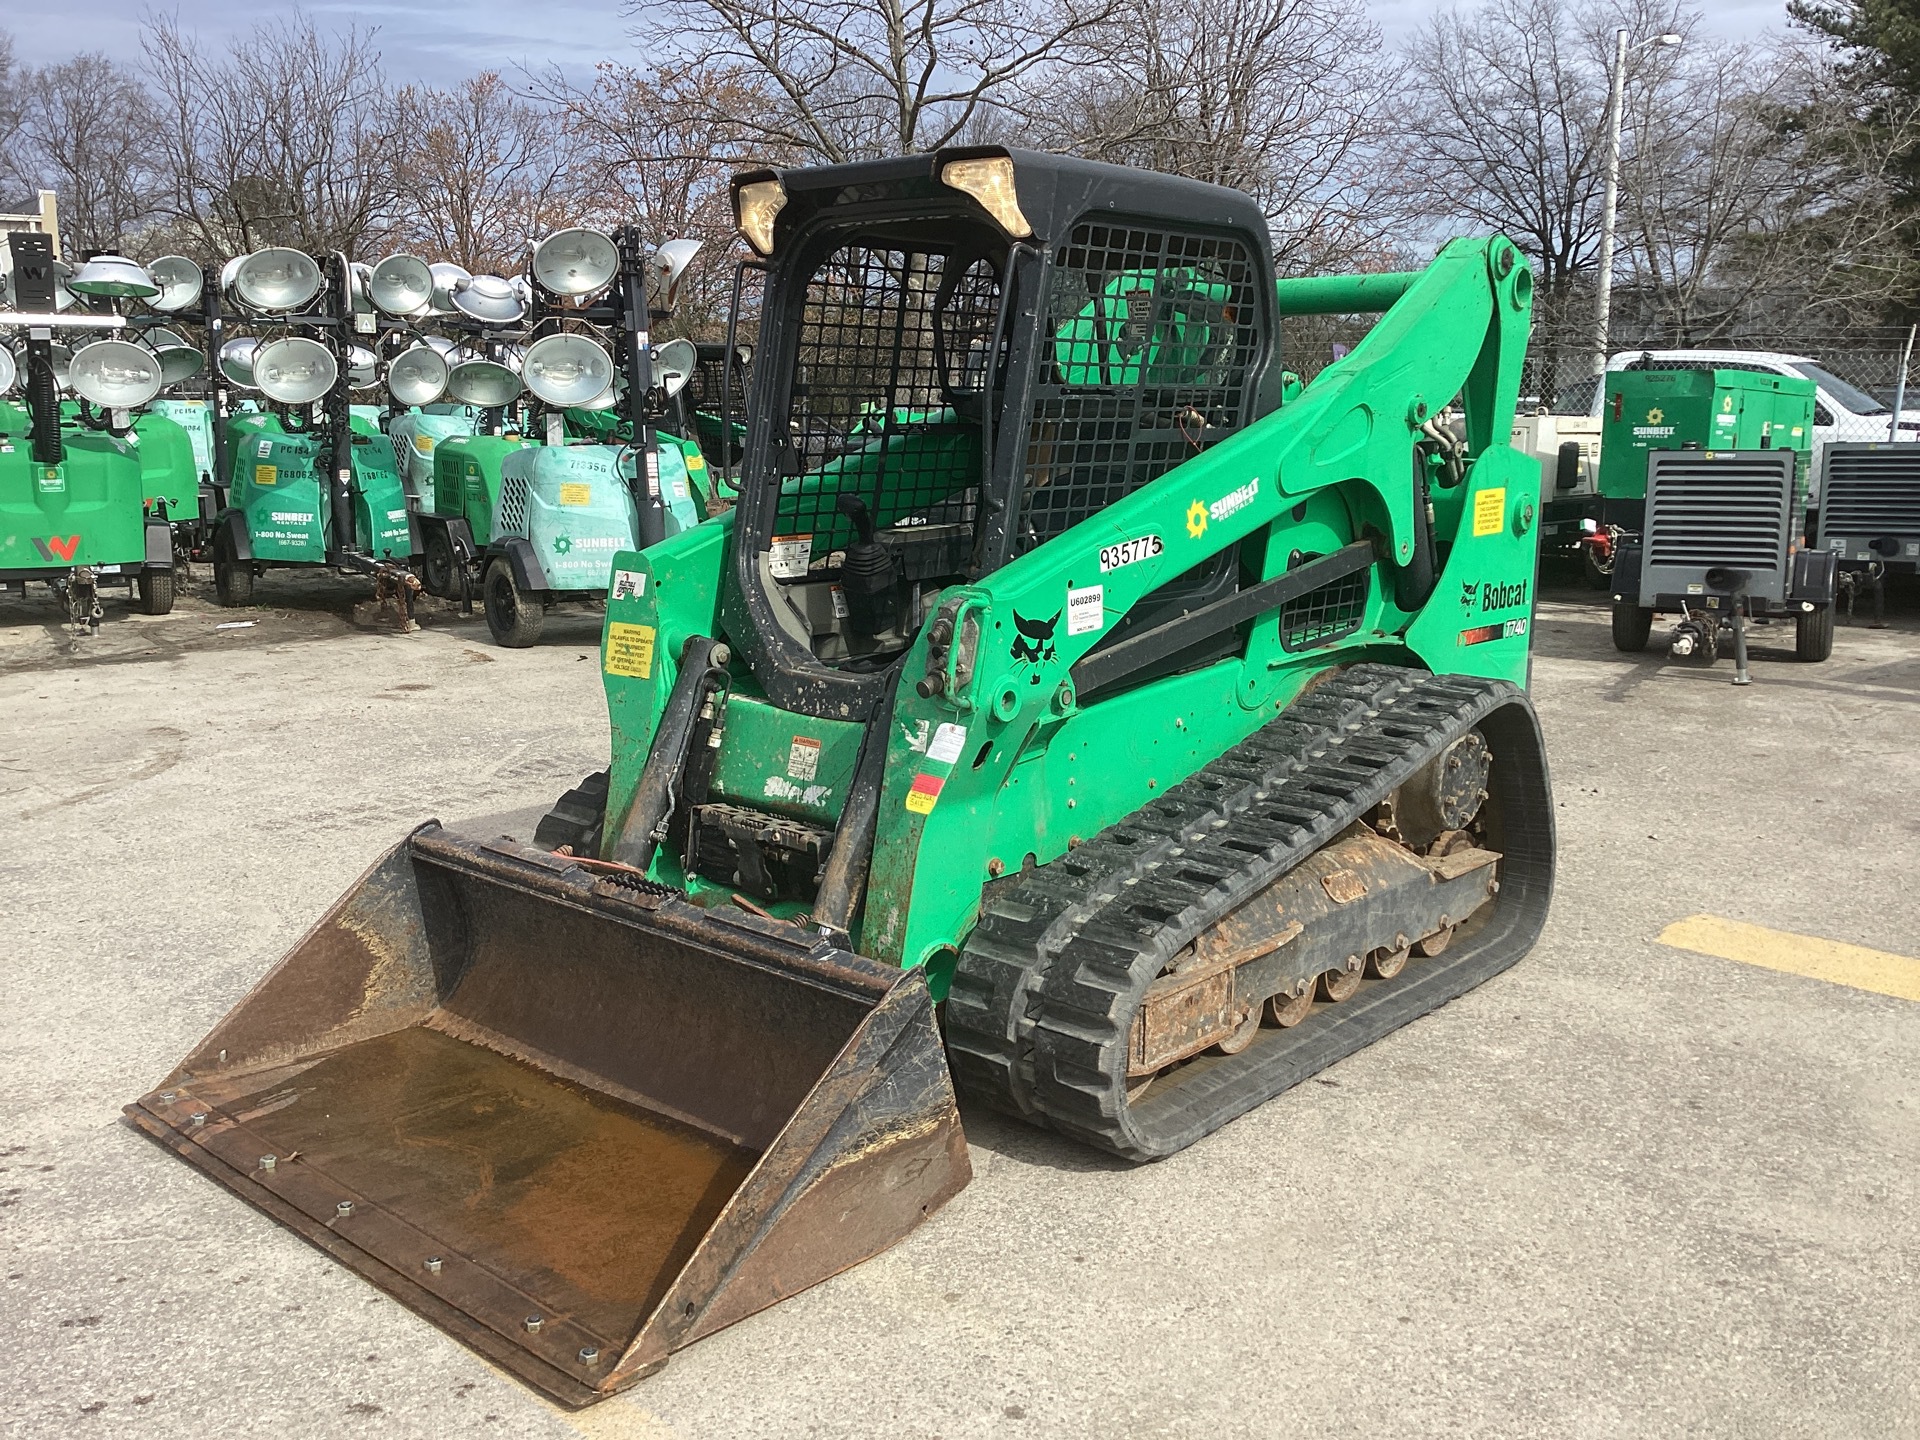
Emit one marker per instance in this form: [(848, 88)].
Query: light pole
[(1616, 102)]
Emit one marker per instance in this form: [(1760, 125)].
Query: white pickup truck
[(1842, 410)]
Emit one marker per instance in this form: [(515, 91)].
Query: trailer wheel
[(1813, 634), (513, 618), (1632, 624), (232, 577), (156, 591), (438, 565)]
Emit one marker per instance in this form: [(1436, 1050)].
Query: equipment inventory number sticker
[(1130, 552)]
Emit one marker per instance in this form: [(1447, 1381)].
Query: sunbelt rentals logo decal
[(1656, 427), (1200, 514)]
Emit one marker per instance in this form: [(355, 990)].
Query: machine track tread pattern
[(1046, 987), (576, 818)]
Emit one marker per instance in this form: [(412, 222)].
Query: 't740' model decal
[(54, 548)]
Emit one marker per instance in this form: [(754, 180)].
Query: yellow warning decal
[(266, 475), (1489, 511), (576, 492), (696, 461), (423, 443), (630, 650)]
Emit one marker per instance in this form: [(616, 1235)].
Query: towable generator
[(1061, 662)]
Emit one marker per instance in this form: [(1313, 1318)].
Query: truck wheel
[(232, 577), (1813, 634), (439, 576), (1599, 576), (513, 618), (1632, 624), (156, 591)]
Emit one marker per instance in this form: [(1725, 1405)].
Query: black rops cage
[(949, 386)]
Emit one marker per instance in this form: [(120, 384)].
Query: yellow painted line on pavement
[(1808, 955)]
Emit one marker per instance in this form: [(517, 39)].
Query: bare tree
[(483, 171), (656, 149), (85, 129), (852, 79), (1279, 98), (292, 137)]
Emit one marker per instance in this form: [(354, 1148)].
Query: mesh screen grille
[(890, 340), (1322, 616), (1155, 335), (513, 506)]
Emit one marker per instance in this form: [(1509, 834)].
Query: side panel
[(87, 510)]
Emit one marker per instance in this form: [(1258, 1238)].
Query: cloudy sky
[(441, 42)]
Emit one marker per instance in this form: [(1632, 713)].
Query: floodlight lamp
[(294, 370), (115, 374)]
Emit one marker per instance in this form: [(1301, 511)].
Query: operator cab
[(962, 355)]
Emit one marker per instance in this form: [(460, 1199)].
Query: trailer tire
[(1813, 634), (513, 618), (437, 566), (232, 577), (1632, 624), (156, 591)]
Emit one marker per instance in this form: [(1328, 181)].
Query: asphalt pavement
[(1623, 1189)]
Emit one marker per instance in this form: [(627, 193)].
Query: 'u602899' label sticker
[(1086, 609), (1129, 552)]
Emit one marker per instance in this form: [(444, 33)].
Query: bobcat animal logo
[(1469, 592), (54, 548), (1035, 640)]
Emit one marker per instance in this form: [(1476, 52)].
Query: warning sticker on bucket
[(630, 650), (925, 790), (789, 556)]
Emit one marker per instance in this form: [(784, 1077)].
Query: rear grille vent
[(1870, 490), (1727, 508), (513, 506)]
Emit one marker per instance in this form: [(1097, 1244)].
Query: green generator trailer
[(529, 525), (281, 510), (1703, 483), (88, 498), (1060, 667)]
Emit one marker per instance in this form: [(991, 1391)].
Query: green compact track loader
[(1072, 711)]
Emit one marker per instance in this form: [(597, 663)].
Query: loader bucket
[(569, 1117)]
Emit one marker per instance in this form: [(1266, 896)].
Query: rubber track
[(1047, 985), (576, 818)]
